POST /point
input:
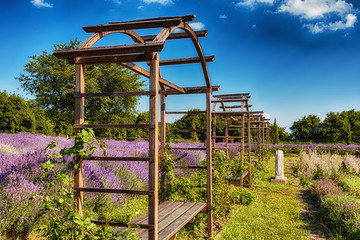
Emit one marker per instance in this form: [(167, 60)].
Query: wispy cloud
[(312, 9), (222, 16), (41, 3), (197, 26), (114, 1), (253, 3), (326, 10), (319, 27), (162, 2)]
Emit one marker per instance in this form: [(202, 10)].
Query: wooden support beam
[(181, 35), (228, 100), (232, 95), (150, 126), (186, 112), (185, 60), (146, 73), (185, 18), (112, 94), (109, 50), (209, 203), (140, 24), (119, 191), (191, 90), (163, 132), (154, 146), (140, 57)]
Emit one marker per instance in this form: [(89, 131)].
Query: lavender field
[(22, 154)]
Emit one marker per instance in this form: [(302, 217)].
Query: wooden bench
[(172, 217)]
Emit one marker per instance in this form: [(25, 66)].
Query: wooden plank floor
[(172, 217)]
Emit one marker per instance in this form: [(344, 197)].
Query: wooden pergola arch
[(162, 221), (239, 119), (260, 133)]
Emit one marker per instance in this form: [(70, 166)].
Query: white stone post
[(279, 168)]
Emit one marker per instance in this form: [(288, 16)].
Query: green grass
[(274, 215), (350, 183)]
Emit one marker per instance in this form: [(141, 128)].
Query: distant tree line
[(343, 127)]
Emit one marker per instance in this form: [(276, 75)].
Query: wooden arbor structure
[(260, 133), (162, 222), (239, 119)]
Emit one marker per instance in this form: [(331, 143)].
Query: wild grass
[(274, 215)]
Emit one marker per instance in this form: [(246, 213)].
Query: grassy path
[(278, 212)]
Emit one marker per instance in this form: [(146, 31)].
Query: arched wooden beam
[(90, 41), (164, 34)]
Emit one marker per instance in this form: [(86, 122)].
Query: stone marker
[(279, 168)]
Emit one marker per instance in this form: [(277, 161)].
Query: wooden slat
[(113, 94), (191, 90), (119, 224), (109, 190), (232, 95), (141, 24), (109, 50), (229, 137), (186, 112), (186, 130), (185, 18), (181, 35), (231, 113), (171, 229), (191, 167), (140, 57), (236, 106), (194, 149), (185, 60), (228, 100), (122, 159), (114, 126)]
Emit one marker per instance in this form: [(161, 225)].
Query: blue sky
[(294, 57)]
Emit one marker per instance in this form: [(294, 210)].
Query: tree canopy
[(52, 82)]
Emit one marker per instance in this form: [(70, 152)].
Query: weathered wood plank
[(113, 94), (186, 130), (112, 59), (150, 126), (181, 35), (140, 24), (186, 112), (109, 50), (185, 18), (109, 190), (120, 224), (232, 95), (171, 229), (185, 60), (191, 90), (122, 159)]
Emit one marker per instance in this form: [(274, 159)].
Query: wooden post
[(209, 164), (242, 148), (154, 145), (226, 138), (79, 119), (162, 147), (263, 138), (214, 131), (249, 147)]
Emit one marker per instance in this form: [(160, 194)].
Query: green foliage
[(52, 82), (190, 121), (243, 196), (59, 218), (274, 132), (20, 115), (306, 129)]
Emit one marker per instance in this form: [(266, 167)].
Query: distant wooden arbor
[(239, 120), (162, 222)]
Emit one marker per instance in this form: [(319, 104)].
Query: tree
[(52, 82), (191, 121), (274, 132), (307, 129), (18, 114)]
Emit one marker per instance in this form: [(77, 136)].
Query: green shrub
[(243, 196)]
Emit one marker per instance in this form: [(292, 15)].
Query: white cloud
[(162, 2), (253, 26), (114, 1), (41, 3), (222, 16), (140, 7), (197, 26), (312, 9), (252, 3), (319, 27)]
